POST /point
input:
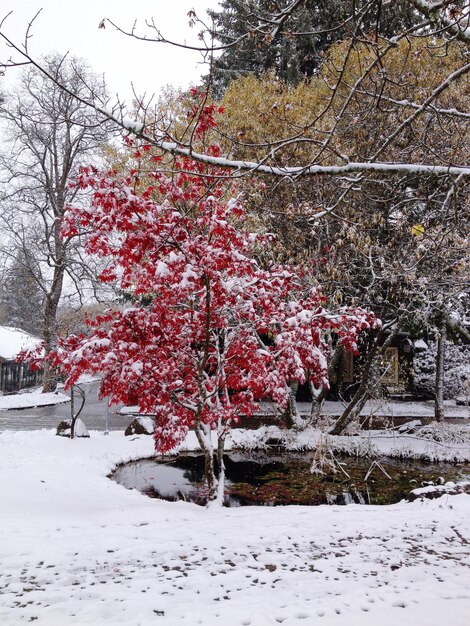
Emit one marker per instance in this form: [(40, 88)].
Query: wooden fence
[(15, 376)]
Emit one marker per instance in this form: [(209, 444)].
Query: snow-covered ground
[(78, 549), (29, 399)]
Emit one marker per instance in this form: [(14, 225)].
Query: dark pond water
[(283, 479)]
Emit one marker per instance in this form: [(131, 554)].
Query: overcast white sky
[(72, 26)]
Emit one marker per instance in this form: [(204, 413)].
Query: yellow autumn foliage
[(323, 120)]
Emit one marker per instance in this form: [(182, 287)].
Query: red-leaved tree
[(210, 332)]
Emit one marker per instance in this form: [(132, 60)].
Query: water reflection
[(281, 479)]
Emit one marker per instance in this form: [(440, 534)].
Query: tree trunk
[(204, 439), (50, 375), (290, 416), (72, 413), (50, 337), (362, 394), (440, 357), (209, 472), (221, 467), (319, 396), (316, 406), (49, 327)]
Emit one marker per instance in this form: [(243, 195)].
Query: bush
[(456, 376)]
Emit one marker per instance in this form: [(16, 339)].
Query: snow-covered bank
[(77, 548), (436, 442), (29, 399)]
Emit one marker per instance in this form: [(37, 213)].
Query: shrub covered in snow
[(457, 371)]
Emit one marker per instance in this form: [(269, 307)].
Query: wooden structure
[(15, 376), (394, 371)]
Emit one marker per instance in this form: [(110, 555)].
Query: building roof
[(14, 340)]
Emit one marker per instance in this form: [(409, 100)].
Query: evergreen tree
[(22, 298), (295, 51)]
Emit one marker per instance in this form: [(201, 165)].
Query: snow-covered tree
[(217, 332), (398, 244), (457, 370), (361, 93), (21, 296)]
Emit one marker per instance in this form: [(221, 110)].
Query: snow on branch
[(456, 25), (455, 21)]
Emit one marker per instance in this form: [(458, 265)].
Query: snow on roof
[(420, 344), (13, 340)]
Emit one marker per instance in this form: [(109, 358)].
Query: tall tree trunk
[(440, 358), (49, 333), (49, 326)]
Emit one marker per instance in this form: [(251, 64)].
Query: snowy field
[(77, 548)]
